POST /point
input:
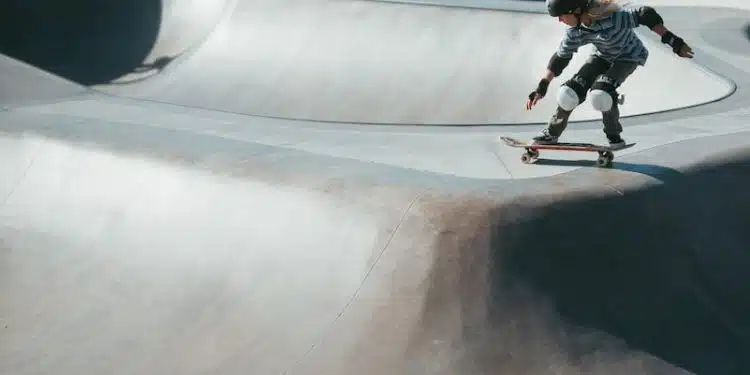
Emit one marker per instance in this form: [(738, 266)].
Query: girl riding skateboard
[(618, 52)]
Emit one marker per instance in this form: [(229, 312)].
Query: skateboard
[(606, 153)]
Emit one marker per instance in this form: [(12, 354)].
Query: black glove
[(673, 41), (541, 89)]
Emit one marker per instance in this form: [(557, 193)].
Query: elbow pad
[(647, 16), (557, 64)]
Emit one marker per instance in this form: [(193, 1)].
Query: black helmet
[(557, 8)]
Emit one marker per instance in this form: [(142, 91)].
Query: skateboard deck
[(606, 153)]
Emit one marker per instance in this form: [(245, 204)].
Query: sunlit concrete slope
[(139, 237), (23, 84), (181, 256), (361, 61), (144, 267), (731, 4), (99, 41)]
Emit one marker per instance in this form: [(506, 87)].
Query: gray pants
[(590, 70)]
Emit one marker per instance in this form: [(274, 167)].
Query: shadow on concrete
[(747, 31), (86, 41), (144, 71), (661, 173), (651, 282), (665, 269)]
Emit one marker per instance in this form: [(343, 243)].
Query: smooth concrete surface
[(146, 237), (362, 61), (96, 41), (728, 4), (123, 263), (475, 155), (34, 85), (153, 260)]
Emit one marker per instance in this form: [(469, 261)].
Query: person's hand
[(534, 97), (537, 94), (685, 51), (678, 45)]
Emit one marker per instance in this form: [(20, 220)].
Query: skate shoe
[(545, 138), (615, 141)]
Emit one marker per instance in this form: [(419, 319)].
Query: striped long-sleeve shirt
[(613, 38)]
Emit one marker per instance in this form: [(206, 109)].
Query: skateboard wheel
[(530, 156), (605, 160)]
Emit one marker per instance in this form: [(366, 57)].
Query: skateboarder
[(618, 52)]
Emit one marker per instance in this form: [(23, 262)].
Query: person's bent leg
[(569, 96), (604, 99)]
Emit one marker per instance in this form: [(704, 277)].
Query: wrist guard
[(541, 89), (673, 41)]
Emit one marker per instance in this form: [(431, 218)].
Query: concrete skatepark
[(315, 187)]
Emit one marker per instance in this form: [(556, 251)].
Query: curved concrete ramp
[(98, 41), (361, 61), (143, 264), (139, 237)]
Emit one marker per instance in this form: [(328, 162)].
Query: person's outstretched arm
[(678, 44), (649, 17), (557, 63)]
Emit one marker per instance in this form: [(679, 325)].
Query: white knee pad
[(567, 98), (601, 100)]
